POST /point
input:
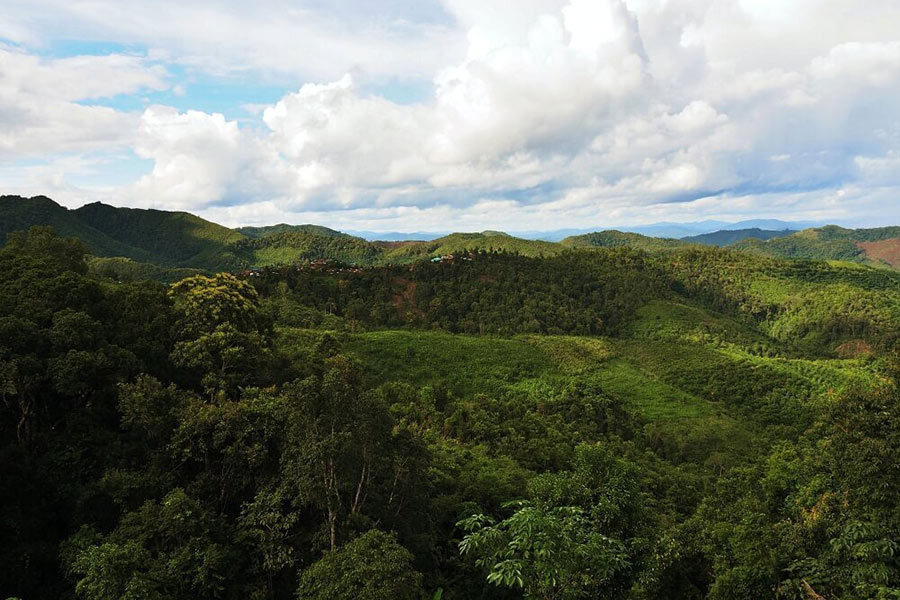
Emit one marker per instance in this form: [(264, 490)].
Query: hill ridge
[(180, 239)]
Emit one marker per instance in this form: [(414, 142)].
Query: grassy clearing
[(678, 363), (651, 397), (463, 364), (468, 365)]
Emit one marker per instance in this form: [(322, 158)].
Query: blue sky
[(457, 114)]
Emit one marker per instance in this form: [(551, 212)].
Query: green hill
[(123, 269), (457, 242), (728, 237), (689, 422), (259, 232), (18, 214), (303, 246), (176, 239), (180, 240), (619, 239)]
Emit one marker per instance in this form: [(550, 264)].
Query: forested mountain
[(176, 239), (168, 239), (302, 246), (683, 422), (490, 241), (727, 237), (19, 214)]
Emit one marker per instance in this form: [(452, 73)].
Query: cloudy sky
[(432, 115)]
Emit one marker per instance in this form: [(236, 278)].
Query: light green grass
[(663, 369), (652, 398), (463, 364), (467, 365)]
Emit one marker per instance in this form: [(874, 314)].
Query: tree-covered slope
[(727, 237), (610, 424), (259, 232), (878, 246), (182, 240), (172, 238), (813, 307), (302, 246), (19, 214)]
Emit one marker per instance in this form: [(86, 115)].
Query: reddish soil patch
[(887, 251), (853, 349), (406, 296), (392, 245)]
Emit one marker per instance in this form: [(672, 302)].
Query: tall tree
[(371, 567), (223, 335), (338, 443)]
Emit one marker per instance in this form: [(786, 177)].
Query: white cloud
[(39, 109), (200, 160)]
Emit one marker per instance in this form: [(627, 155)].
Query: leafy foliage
[(371, 567)]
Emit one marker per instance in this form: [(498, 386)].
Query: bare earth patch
[(887, 251)]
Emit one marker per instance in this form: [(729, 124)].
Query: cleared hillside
[(878, 246)]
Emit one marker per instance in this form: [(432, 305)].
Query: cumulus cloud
[(508, 116), (202, 159), (551, 113), (45, 103)]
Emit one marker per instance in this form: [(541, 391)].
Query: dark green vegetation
[(165, 239), (676, 422), (727, 237), (457, 242)]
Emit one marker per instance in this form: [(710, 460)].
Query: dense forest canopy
[(672, 421)]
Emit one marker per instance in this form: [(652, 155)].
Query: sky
[(439, 115)]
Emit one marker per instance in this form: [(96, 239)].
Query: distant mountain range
[(167, 245), (683, 230), (663, 230)]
